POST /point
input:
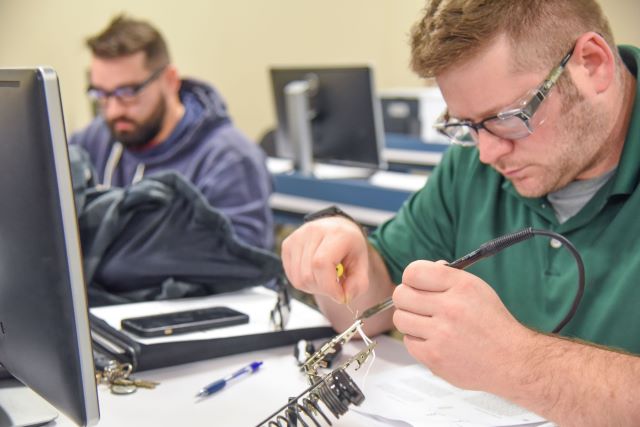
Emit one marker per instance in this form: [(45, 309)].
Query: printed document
[(413, 396)]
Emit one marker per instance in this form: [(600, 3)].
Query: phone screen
[(184, 321)]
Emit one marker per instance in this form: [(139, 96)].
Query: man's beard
[(144, 132), (581, 143)]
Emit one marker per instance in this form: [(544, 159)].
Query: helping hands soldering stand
[(337, 390)]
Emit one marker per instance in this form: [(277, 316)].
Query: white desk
[(394, 386), (251, 399), (246, 402)]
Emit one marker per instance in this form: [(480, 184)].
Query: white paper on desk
[(416, 396), (257, 302), (399, 180), (277, 165)]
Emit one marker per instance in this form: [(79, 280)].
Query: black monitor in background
[(343, 111), (44, 327), (401, 116)]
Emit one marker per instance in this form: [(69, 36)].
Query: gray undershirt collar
[(569, 200)]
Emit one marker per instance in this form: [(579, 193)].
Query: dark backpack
[(160, 239)]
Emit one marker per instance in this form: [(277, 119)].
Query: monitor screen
[(44, 327), (344, 114)]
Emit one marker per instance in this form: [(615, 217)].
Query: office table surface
[(371, 201), (244, 402)]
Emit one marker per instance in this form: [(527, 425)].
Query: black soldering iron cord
[(494, 246)]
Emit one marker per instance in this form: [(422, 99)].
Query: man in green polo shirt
[(541, 91)]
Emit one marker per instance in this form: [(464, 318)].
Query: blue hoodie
[(206, 149)]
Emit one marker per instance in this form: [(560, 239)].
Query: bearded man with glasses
[(150, 120), (543, 117)]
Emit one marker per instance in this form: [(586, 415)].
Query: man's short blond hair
[(540, 32)]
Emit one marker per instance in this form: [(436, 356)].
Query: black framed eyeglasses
[(125, 94), (516, 122)]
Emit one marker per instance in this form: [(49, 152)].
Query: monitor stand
[(21, 407)]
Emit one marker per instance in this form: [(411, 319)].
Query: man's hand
[(311, 254), (456, 325)]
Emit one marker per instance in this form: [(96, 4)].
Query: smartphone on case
[(180, 322)]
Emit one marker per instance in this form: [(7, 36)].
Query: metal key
[(135, 382), (117, 376), (123, 381), (145, 384), (116, 370)]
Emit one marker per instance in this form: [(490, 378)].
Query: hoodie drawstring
[(112, 162)]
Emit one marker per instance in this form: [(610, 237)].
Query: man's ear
[(593, 63), (172, 78)]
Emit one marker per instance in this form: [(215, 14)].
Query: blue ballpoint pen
[(221, 383)]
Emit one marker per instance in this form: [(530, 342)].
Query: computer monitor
[(44, 328), (343, 113)]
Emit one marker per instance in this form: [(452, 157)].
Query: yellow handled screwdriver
[(371, 310)]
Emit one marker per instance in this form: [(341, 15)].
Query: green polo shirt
[(466, 203)]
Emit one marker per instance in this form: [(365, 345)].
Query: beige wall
[(232, 43)]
